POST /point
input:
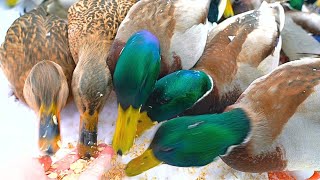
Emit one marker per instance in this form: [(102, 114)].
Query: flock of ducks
[(221, 80)]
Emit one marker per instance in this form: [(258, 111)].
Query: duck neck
[(238, 124), (93, 51), (206, 136)]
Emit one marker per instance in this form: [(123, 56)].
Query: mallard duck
[(92, 27), (138, 92), (172, 95), (132, 87), (273, 126), (37, 62), (229, 59), (181, 26)]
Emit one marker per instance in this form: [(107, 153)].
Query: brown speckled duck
[(36, 60), (92, 27), (239, 50)]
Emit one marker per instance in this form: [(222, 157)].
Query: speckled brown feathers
[(32, 38), (93, 24), (36, 60), (99, 17)]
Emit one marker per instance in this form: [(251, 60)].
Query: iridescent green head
[(137, 69), (193, 140), (172, 95), (134, 78), (176, 92), (296, 4)]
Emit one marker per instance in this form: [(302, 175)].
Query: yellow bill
[(126, 127), (12, 3), (228, 12), (49, 129), (142, 163), (144, 123)]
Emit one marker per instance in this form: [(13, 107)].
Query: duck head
[(134, 78), (193, 140), (172, 95), (46, 92), (91, 86)]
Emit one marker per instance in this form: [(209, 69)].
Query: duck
[(273, 126), (142, 99), (229, 60), (92, 26), (36, 59), (171, 96), (173, 22), (178, 22)]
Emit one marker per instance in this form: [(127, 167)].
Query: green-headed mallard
[(172, 95), (273, 126), (229, 57), (92, 27), (180, 25), (134, 78), (36, 59), (138, 91)]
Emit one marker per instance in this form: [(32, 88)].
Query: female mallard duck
[(271, 125), (138, 90), (92, 27), (180, 25), (229, 59), (35, 58)]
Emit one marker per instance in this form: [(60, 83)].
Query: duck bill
[(142, 163), (87, 146), (228, 12), (11, 3), (126, 127), (144, 123), (49, 130)]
